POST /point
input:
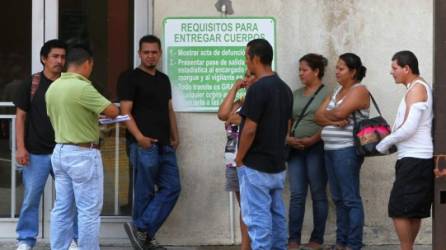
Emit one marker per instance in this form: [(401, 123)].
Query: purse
[(302, 114), (369, 132)]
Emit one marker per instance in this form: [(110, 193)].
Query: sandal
[(292, 245), (308, 247)]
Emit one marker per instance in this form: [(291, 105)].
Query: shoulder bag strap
[(35, 82), (301, 115), (374, 104)]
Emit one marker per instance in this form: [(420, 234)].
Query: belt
[(85, 145)]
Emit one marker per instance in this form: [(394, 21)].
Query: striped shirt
[(341, 137)]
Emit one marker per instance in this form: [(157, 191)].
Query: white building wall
[(373, 29)]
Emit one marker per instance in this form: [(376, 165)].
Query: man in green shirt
[(73, 106)]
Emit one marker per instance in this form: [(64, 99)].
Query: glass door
[(112, 28), (108, 28), (15, 66)]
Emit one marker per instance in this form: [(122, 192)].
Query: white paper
[(119, 118)]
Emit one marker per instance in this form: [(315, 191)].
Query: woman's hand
[(294, 143), (239, 84), (341, 123)]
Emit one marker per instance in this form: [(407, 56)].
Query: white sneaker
[(73, 246), (23, 246)]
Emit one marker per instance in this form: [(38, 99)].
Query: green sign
[(205, 56)]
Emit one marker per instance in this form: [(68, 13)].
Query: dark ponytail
[(353, 62)]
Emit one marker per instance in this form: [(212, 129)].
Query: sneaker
[(137, 238), (153, 245), (73, 245), (23, 246)]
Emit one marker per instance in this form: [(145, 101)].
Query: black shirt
[(150, 95), (269, 103), (39, 133)]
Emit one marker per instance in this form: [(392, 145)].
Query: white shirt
[(413, 137)]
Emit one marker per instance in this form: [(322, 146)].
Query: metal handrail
[(13, 162)]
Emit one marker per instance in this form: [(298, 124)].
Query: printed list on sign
[(205, 74)]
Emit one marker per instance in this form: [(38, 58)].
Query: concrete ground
[(10, 245)]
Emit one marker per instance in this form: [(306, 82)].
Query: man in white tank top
[(412, 192)]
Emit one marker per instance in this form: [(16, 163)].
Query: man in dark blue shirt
[(261, 154)]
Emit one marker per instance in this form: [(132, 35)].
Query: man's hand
[(238, 162), (174, 143), (440, 172), (146, 142), (22, 156)]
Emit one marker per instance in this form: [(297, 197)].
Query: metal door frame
[(439, 207)]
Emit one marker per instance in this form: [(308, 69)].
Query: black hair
[(353, 62), (49, 45), (408, 58), (262, 49), (78, 54), (149, 39), (315, 61)]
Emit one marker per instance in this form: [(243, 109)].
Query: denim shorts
[(413, 189)]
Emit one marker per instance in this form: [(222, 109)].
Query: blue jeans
[(343, 166), (79, 181), (34, 176), (263, 210), (307, 168), (155, 166)]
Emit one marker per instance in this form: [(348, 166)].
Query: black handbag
[(302, 114), (368, 133)]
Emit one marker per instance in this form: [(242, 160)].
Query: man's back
[(73, 106), (269, 104)]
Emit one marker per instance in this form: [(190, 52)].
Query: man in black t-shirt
[(145, 95), (35, 140), (261, 153)]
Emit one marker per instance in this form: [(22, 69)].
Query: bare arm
[(357, 98), (234, 118), (22, 155), (321, 118), (246, 139), (174, 138), (111, 111), (417, 94), (227, 106), (143, 141)]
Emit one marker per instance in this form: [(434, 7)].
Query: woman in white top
[(412, 192), (341, 161)]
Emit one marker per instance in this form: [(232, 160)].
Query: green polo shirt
[(73, 106)]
